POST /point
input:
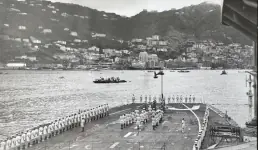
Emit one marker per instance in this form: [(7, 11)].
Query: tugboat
[(223, 72), (109, 80)]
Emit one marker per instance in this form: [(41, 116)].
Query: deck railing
[(198, 142)]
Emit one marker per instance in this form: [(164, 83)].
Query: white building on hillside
[(143, 57), (16, 65)]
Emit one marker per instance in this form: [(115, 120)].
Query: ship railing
[(201, 134)]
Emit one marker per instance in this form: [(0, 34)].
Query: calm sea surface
[(30, 98)]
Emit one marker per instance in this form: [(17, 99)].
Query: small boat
[(183, 71), (106, 81), (150, 70), (61, 77), (172, 70), (109, 80), (223, 72)]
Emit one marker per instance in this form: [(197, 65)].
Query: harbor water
[(31, 98)]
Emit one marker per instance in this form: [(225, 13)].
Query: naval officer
[(183, 125)]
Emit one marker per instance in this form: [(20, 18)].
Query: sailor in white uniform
[(107, 110), (76, 120), (122, 121), (88, 118), (149, 98), (185, 99), (56, 127), (96, 113), (49, 131), (138, 121), (13, 145), (8, 144), (28, 138), (61, 125), (146, 98), (45, 133), (64, 122), (183, 125), (177, 99), (181, 99), (100, 112), (40, 133), (23, 140), (156, 120), (2, 145), (36, 135), (79, 118), (82, 124), (18, 142), (173, 98), (92, 114), (160, 99), (153, 123), (133, 99), (190, 98), (169, 98), (32, 137)]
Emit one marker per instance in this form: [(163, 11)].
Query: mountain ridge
[(195, 22)]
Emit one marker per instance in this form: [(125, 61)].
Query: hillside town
[(149, 53), (56, 44)]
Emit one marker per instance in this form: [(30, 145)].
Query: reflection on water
[(29, 98)]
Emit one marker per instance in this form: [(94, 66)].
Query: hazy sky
[(132, 7)]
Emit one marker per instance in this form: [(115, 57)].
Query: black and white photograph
[(128, 74)]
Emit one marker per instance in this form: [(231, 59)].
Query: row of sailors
[(134, 117), (157, 118), (179, 99), (201, 134), (42, 133)]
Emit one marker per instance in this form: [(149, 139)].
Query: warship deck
[(106, 134)]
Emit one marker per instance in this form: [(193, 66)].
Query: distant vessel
[(223, 72), (183, 71), (109, 80), (205, 68)]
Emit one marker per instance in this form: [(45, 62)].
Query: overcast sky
[(132, 7)]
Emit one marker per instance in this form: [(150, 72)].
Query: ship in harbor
[(179, 122)]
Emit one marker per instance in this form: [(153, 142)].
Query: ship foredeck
[(106, 134)]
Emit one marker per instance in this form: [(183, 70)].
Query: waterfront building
[(143, 57)]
